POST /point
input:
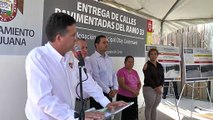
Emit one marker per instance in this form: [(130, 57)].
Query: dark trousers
[(166, 86), (95, 104), (130, 113)]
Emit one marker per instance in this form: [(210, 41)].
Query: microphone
[(81, 62)]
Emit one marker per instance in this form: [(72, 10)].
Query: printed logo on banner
[(8, 9), (149, 26)]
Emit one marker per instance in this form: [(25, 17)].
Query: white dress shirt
[(74, 61), (88, 65), (102, 71), (51, 85)]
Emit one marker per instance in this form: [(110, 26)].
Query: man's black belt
[(86, 99)]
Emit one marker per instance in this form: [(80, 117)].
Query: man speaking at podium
[(51, 81)]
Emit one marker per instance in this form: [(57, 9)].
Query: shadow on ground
[(160, 115)]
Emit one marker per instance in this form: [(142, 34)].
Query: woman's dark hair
[(98, 39), (152, 49), (57, 24), (127, 57)]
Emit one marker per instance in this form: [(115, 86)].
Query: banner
[(20, 26), (126, 32), (149, 39), (198, 64), (169, 57)]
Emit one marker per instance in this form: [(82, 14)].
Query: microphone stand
[(82, 113)]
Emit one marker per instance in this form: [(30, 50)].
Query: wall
[(12, 88)]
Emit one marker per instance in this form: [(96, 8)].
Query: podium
[(109, 113)]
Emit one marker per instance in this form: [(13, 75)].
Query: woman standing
[(153, 83), (129, 87)]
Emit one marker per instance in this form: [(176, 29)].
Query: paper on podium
[(109, 113)]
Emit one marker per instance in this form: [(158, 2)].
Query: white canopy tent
[(168, 15)]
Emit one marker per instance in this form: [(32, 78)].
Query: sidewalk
[(188, 110)]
